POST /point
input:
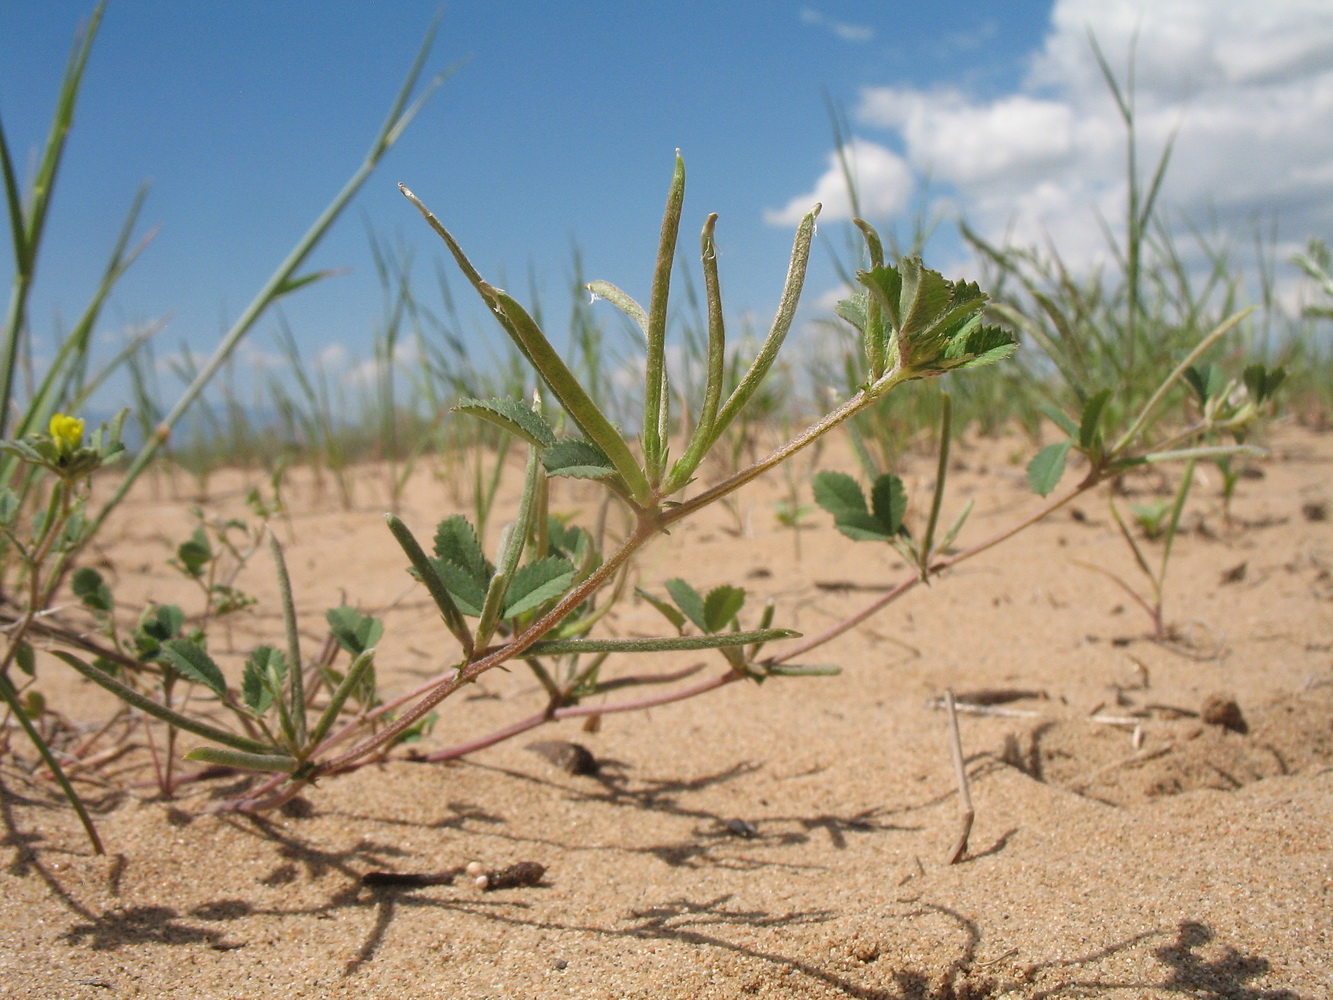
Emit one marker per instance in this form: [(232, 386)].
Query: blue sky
[(560, 124)]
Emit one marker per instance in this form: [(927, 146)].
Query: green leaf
[(1263, 382), (1060, 419), (514, 416), (467, 592), (25, 659), (195, 554), (659, 645), (688, 600), (889, 499), (668, 611), (537, 583), (1089, 431), (264, 670), (9, 505), (1206, 380), (1046, 468), (91, 589), (158, 624), (838, 493), (190, 659), (721, 607), (456, 542), (145, 704), (577, 459), (354, 631), (280, 763)]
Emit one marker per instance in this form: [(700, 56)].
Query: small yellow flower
[(67, 433)]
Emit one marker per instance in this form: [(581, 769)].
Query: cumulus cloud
[(884, 182), (1243, 87)]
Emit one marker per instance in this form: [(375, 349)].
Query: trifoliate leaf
[(840, 495), (195, 554), (1263, 382), (265, 669), (352, 630), (91, 589)]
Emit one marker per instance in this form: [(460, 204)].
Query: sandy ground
[(782, 840)]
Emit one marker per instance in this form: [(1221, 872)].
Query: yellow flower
[(67, 433)]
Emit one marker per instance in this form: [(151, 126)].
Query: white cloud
[(1244, 86), (847, 32), (883, 179)]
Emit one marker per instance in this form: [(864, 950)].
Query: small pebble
[(572, 758), (1222, 710), (742, 828)]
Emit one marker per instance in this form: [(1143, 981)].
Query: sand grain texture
[(783, 840)]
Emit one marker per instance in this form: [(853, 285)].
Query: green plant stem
[(937, 567), (431, 694), (809, 436), (11, 699)]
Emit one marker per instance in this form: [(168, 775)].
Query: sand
[(779, 840)]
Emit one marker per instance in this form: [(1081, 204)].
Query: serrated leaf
[(983, 345), (577, 459), (514, 416), (838, 493), (688, 600), (192, 662), (721, 607), (91, 589), (456, 542), (863, 527), (469, 594), (889, 499), (1047, 466), (854, 310), (536, 583), (668, 611), (354, 631)]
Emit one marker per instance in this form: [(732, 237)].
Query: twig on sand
[(959, 850)]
